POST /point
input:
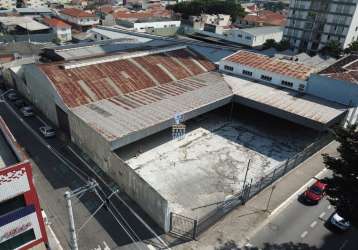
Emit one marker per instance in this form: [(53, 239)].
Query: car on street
[(47, 131), (314, 193), (339, 222), (12, 96), (27, 111)]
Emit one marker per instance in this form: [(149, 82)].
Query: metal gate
[(183, 226)]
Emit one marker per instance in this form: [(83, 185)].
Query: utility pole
[(91, 185)]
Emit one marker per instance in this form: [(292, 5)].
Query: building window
[(18, 240), (12, 204), (239, 35), (248, 38), (286, 83), (246, 72), (266, 78), (228, 68)]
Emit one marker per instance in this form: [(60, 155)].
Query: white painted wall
[(256, 74), (64, 34), (82, 21), (155, 25), (352, 34), (241, 37)]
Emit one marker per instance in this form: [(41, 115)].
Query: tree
[(332, 48), (353, 47), (269, 43), (197, 7), (342, 188), (282, 45)]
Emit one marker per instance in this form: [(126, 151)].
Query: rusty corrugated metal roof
[(278, 66), (85, 84), (345, 69)]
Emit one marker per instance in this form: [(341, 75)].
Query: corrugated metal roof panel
[(85, 84)]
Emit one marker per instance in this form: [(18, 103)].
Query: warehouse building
[(115, 107)]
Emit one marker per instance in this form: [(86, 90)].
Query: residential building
[(252, 37), (81, 19), (8, 4), (261, 18), (273, 71), (313, 24), (219, 20), (34, 11), (60, 28), (34, 3), (21, 222)]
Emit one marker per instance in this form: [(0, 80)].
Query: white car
[(47, 131), (27, 111), (340, 222)]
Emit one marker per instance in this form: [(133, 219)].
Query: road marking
[(304, 234), (329, 207), (322, 215), (313, 224), (295, 194), (343, 245)]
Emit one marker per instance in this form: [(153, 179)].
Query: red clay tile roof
[(254, 60), (76, 12), (151, 12), (86, 84), (345, 69), (267, 17), (6, 58), (54, 22)]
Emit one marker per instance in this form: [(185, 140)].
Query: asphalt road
[(302, 227), (58, 166)]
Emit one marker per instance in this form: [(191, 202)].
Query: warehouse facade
[(108, 102)]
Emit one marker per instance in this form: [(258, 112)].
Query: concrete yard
[(210, 162)]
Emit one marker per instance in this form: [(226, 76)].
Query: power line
[(115, 217)]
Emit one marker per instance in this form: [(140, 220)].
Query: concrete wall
[(38, 89), (343, 92), (256, 74), (140, 191)]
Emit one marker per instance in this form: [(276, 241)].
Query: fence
[(183, 226), (251, 189)]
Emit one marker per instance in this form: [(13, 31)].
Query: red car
[(314, 193)]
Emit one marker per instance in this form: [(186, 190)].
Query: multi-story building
[(8, 4), (79, 18), (60, 28), (21, 222), (34, 3), (313, 23)]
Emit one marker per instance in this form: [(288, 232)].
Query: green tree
[(197, 7), (282, 45), (332, 48), (342, 188), (269, 43), (353, 47)]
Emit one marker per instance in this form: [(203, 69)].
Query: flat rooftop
[(209, 163), (263, 30), (345, 69), (306, 109), (274, 65), (7, 142), (26, 23)]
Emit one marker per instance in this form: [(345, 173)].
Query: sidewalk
[(243, 221)]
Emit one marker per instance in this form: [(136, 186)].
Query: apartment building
[(8, 4), (34, 3), (313, 23)]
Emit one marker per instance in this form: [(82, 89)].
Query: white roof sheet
[(24, 22), (309, 107)]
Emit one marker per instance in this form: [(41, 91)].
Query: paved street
[(58, 167), (304, 226)]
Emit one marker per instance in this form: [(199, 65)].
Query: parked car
[(27, 111), (314, 193), (12, 96), (20, 103), (47, 131), (339, 222)]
